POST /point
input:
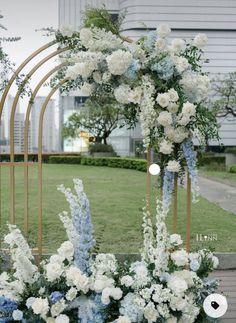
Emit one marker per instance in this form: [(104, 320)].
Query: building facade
[(216, 18)]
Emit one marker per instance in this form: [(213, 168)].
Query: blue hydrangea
[(130, 309), (91, 309), (56, 296), (150, 40), (168, 187), (132, 70), (191, 160), (164, 68), (7, 305)]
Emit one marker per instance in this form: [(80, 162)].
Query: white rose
[(215, 262), (189, 109), (171, 319), (119, 61), (71, 294), (86, 36), (103, 282), (173, 166), (177, 45), (150, 312), (165, 119), (76, 278), (175, 239), (67, 31), (170, 133), (165, 147), (50, 320), (62, 319), (127, 281), (184, 120), (163, 30), (53, 271), (17, 315), (40, 306), (56, 259), (180, 257), (123, 319), (179, 135), (177, 285), (160, 44), (106, 293), (97, 77), (173, 107), (66, 250), (30, 301), (163, 99), (173, 95), (58, 307), (200, 40)]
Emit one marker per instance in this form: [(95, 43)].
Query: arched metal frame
[(12, 164)]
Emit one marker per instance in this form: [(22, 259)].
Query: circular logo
[(154, 169), (215, 305)]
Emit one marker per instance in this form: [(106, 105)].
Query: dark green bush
[(64, 159), (100, 148), (230, 150), (34, 157), (207, 159), (130, 163), (232, 169)]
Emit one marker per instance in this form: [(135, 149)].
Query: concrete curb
[(217, 180)]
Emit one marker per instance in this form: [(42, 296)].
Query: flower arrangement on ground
[(166, 285)]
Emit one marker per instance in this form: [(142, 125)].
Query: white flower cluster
[(119, 61)]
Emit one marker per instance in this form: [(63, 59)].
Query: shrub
[(34, 157), (100, 148), (64, 159), (230, 150), (232, 169), (208, 159), (130, 163)]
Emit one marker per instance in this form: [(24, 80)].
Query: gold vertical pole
[(40, 174), (175, 204), (148, 181), (26, 145), (188, 218)]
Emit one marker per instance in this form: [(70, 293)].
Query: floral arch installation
[(12, 164)]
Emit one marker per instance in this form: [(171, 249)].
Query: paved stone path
[(222, 194), (228, 288)]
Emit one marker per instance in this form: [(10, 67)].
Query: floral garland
[(158, 81), (167, 285)]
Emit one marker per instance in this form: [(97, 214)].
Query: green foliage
[(129, 163), (64, 159), (232, 169), (34, 157), (208, 159), (99, 147)]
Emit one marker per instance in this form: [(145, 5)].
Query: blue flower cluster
[(7, 306), (164, 68), (56, 296), (132, 70), (84, 228), (168, 187), (191, 159), (91, 310), (150, 40)]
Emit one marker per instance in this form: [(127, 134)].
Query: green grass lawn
[(223, 176), (116, 198)]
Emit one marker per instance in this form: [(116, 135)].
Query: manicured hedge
[(232, 169), (34, 157), (64, 159), (130, 163), (210, 159)]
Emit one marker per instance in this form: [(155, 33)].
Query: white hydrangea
[(177, 45), (173, 166), (101, 282), (121, 93), (67, 30), (161, 44), (215, 262), (181, 63), (71, 294), (97, 77), (104, 264), (86, 36), (175, 239), (200, 40), (163, 30), (150, 312), (126, 280), (165, 119), (163, 99), (171, 319), (76, 278), (58, 307), (166, 147), (87, 88), (189, 109), (196, 87), (62, 318), (178, 303), (119, 61), (123, 319), (53, 271), (177, 285), (114, 292), (40, 306), (180, 257)]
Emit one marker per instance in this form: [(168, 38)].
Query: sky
[(22, 18)]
